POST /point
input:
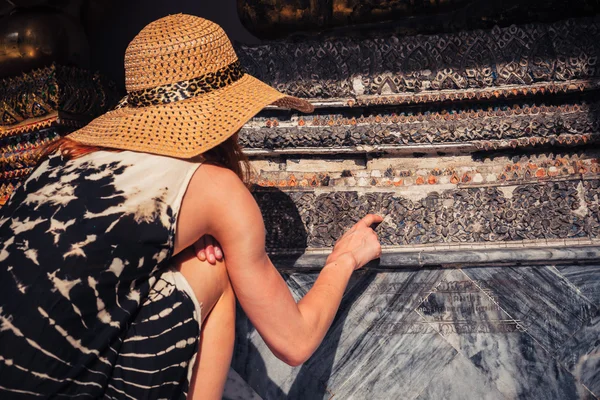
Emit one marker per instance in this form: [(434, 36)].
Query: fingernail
[(211, 258), (218, 253), (202, 256)]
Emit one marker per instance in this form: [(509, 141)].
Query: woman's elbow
[(293, 349), (293, 357), (293, 360)]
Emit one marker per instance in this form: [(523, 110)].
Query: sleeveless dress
[(89, 307)]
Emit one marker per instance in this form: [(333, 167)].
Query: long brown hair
[(228, 154)]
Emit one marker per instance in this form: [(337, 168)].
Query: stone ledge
[(505, 92), (435, 258)]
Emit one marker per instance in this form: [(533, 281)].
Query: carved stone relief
[(522, 125), (592, 203), (547, 210), (55, 88), (349, 66)]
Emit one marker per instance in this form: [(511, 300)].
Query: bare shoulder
[(213, 203), (219, 186), (219, 177)]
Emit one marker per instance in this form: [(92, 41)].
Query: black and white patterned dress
[(89, 307)]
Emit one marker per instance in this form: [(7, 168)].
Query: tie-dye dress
[(89, 307)]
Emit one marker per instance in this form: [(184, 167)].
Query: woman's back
[(84, 246)]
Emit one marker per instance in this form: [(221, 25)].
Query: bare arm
[(292, 330), (216, 348)]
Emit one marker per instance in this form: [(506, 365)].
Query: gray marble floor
[(472, 333)]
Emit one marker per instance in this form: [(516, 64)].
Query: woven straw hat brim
[(187, 128)]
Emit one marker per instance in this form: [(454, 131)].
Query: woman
[(101, 294)]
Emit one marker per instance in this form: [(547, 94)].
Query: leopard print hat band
[(184, 89), (186, 92)]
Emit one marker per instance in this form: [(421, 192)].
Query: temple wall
[(40, 106), (471, 140), (480, 148)]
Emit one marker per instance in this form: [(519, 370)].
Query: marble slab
[(374, 305), (586, 279), (581, 356), (472, 333), (462, 255), (544, 302), (581, 353), (460, 379), (236, 388), (497, 345)]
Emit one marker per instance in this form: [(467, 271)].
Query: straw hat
[(186, 92)]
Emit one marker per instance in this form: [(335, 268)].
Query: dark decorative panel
[(345, 66), (517, 126), (38, 93), (39, 36), (550, 210)]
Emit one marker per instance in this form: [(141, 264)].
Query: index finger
[(371, 219)]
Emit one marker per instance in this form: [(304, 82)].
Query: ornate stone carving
[(501, 57), (284, 218), (38, 107), (39, 93), (525, 125), (547, 210), (20, 154), (592, 202)]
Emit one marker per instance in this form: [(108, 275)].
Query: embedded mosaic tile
[(443, 173)]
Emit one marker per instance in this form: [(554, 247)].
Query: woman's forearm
[(310, 319), (319, 306)]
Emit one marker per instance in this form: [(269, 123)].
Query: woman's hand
[(360, 242), (208, 249)]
